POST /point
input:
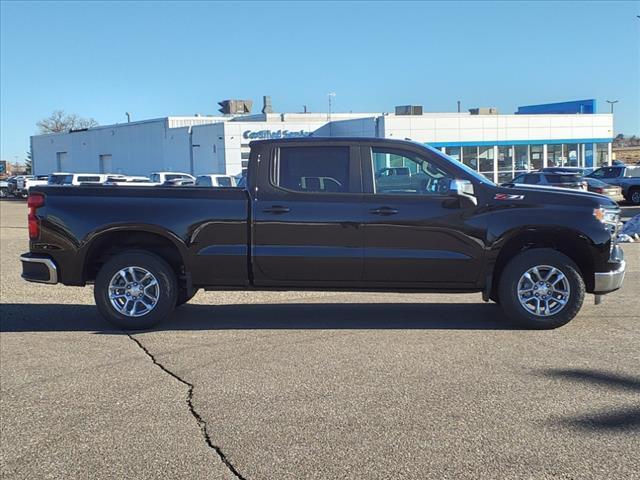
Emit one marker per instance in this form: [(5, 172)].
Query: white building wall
[(483, 128)]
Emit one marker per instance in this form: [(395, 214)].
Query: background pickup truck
[(314, 217), (625, 177)]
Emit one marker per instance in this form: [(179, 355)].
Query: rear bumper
[(606, 282), (38, 268)]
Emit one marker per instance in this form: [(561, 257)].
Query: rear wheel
[(135, 290), (541, 288)]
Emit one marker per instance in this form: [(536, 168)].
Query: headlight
[(607, 216)]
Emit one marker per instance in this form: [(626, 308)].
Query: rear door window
[(531, 179), (313, 169), (224, 182)]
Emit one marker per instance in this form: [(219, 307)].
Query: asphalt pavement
[(295, 385)]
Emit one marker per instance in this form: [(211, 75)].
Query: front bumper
[(606, 282), (38, 268)]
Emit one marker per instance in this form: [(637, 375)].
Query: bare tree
[(59, 121)]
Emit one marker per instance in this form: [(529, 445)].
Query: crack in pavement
[(199, 420)]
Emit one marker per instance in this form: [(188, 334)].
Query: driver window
[(398, 174)]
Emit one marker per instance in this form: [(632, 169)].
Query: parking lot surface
[(295, 385)]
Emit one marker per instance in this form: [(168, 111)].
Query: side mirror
[(463, 188)]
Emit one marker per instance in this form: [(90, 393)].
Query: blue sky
[(162, 58)]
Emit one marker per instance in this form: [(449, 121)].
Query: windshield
[(57, 179), (470, 171)]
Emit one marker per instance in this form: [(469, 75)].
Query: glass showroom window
[(602, 154), (485, 156), (453, 152), (505, 164), (588, 155), (521, 158), (554, 156), (470, 157), (536, 157), (571, 155)]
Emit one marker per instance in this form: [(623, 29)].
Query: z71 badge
[(508, 196)]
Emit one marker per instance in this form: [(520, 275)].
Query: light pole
[(330, 97), (612, 102), (128, 116)]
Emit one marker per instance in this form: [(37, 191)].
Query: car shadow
[(625, 418), (65, 317)]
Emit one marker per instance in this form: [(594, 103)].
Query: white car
[(60, 178), (212, 180), (33, 181), (162, 177), (132, 181)]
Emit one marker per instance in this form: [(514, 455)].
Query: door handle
[(384, 211), (277, 209)]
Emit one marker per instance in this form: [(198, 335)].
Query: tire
[(184, 296), (634, 196), (149, 303), (555, 308)]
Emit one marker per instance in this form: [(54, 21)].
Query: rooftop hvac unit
[(484, 111), (235, 107), (409, 110)]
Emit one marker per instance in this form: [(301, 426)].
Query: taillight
[(598, 190), (35, 201)]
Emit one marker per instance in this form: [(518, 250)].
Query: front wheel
[(634, 196), (136, 290), (541, 288)]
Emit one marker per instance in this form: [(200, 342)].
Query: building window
[(486, 161), (554, 156), (602, 154), (571, 156), (505, 164), (454, 152), (521, 158), (470, 157), (537, 157), (244, 155)]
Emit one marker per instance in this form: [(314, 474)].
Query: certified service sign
[(274, 134)]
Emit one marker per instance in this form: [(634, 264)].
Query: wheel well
[(110, 244), (564, 242)]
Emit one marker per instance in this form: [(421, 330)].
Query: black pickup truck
[(314, 216)]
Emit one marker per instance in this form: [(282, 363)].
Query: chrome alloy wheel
[(134, 291), (543, 290)]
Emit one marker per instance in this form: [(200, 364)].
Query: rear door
[(307, 215), (422, 236)]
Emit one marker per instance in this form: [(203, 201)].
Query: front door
[(307, 218), (418, 235)]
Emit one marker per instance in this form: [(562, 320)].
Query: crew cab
[(623, 176), (534, 250)]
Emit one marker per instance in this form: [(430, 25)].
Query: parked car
[(131, 181), (4, 184), (16, 185), (532, 249), (80, 178), (624, 176), (213, 180), (577, 170), (559, 180), (162, 177), (596, 186), (179, 182), (398, 179)]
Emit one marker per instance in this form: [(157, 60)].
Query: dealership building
[(496, 145)]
